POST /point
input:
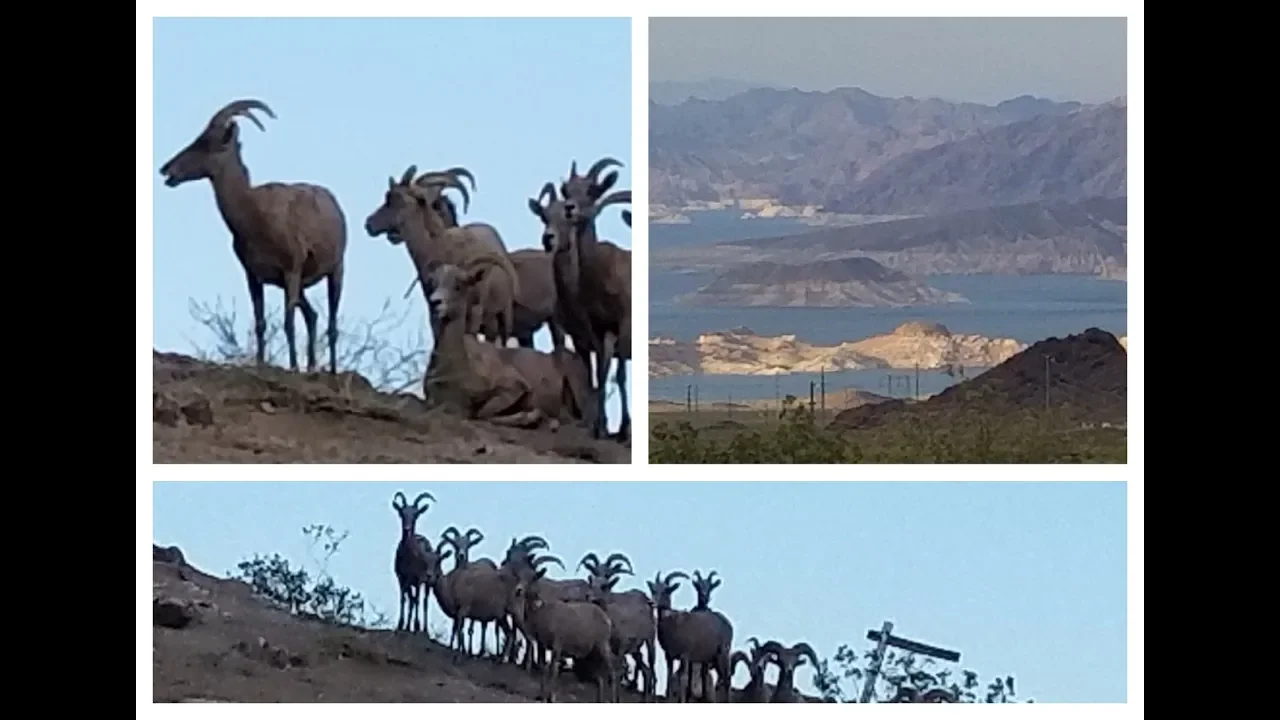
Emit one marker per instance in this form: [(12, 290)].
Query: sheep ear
[(536, 209)]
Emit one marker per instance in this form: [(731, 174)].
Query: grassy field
[(750, 434)]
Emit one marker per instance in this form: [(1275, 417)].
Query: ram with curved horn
[(788, 659), (286, 235), (413, 561), (702, 638), (615, 564), (756, 659)]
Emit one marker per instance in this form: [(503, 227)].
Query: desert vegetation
[(480, 295)]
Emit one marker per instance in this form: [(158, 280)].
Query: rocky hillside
[(1088, 381), (209, 413), (847, 147), (1088, 237), (847, 282), (742, 352)]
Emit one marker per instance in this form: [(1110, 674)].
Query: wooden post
[(688, 398), (823, 379), (884, 638), (811, 398)]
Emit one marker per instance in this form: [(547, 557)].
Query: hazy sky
[(358, 99), (1027, 579), (978, 59)]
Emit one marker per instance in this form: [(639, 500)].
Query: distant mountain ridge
[(855, 152), (674, 92)]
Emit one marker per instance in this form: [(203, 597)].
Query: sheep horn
[(591, 562), (398, 501), (613, 198), (462, 172), (531, 543), (805, 650), (418, 499), (441, 179), (479, 537), (626, 217), (735, 658), (614, 563), (241, 108), (672, 576), (773, 646), (538, 561), (601, 164), (573, 169), (548, 188)]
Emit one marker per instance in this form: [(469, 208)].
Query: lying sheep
[(787, 660), (559, 381), (579, 630), (694, 637)]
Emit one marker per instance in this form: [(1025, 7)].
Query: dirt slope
[(212, 641), (207, 413), (1088, 384)]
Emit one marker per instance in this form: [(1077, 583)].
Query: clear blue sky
[(1026, 579), (358, 99)]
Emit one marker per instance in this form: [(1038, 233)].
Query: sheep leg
[(556, 327), (400, 621), (624, 429), (309, 318), (501, 408), (673, 681), (704, 677), (603, 360), (334, 283), (257, 299), (292, 291), (455, 638)]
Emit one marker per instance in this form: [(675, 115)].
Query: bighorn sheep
[(634, 629), (615, 564), (443, 587), (580, 630), (787, 660), (476, 377), (412, 560), (704, 586), (593, 288), (287, 235), (702, 637), (907, 694), (409, 214), (560, 383), (755, 690)]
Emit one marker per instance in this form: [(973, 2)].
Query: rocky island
[(741, 352), (846, 282)]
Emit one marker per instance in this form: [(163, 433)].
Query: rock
[(164, 410), (172, 613), (198, 412), (171, 554)]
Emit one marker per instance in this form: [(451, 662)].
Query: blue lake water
[(1027, 308)]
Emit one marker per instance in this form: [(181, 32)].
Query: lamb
[(598, 321), (287, 235), (755, 690), (634, 630), (580, 630), (787, 660), (412, 561), (410, 214), (702, 637)]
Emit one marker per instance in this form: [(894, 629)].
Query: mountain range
[(850, 151)]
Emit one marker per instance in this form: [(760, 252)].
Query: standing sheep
[(634, 629), (694, 637), (287, 235), (580, 630), (413, 556)]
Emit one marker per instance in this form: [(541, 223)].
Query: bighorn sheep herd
[(479, 294), (586, 621)]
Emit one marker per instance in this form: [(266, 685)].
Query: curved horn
[(444, 179), (462, 172), (549, 188), (600, 165), (626, 217), (573, 169), (473, 532), (673, 576), (613, 198), (615, 561), (774, 648), (804, 649), (591, 562), (241, 108), (697, 577), (398, 501), (532, 542), (426, 495), (407, 176), (735, 658), (538, 561)]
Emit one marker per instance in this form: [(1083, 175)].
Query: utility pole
[(823, 379), (695, 398), (688, 398), (869, 687), (1047, 379), (811, 400), (917, 381)]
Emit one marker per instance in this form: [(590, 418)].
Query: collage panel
[(888, 240), (385, 240), (375, 592)]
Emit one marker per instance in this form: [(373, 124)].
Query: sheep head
[(435, 564), (409, 514), (789, 658), (556, 229), (408, 204), (756, 658), (462, 544), (216, 146), (661, 589), (526, 591), (616, 564), (703, 587), (450, 290), (521, 552), (582, 191)]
